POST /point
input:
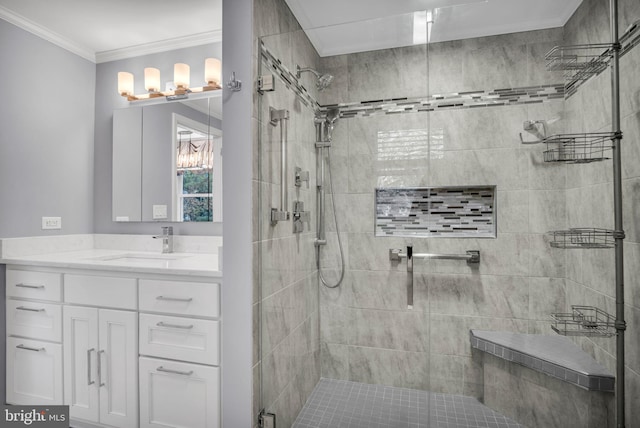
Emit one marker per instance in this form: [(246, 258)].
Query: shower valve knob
[(301, 176), (300, 217)]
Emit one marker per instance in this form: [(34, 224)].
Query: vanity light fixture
[(181, 80)]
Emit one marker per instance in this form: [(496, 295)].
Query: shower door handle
[(409, 276)]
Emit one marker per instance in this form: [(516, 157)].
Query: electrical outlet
[(51, 223), (159, 212)]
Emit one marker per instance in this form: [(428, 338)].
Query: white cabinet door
[(34, 372), (81, 362), (174, 394), (118, 358)]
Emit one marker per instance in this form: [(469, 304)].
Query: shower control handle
[(301, 176)]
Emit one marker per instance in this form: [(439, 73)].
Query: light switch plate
[(159, 212), (51, 223)]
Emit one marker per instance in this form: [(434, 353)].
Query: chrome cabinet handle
[(23, 285), (178, 372), (89, 381), (100, 368), (175, 299), (22, 308), (164, 324), (28, 348)]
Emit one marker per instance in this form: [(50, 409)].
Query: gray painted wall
[(46, 135), (108, 99), (237, 289)]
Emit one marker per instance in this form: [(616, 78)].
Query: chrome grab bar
[(409, 256), (178, 372), (281, 117), (396, 255), (472, 256)]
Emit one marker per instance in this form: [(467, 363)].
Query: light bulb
[(212, 71), (125, 83), (181, 76), (152, 79)]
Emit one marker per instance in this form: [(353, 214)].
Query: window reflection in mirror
[(197, 154)]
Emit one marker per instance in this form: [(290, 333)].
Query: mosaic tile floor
[(343, 404)]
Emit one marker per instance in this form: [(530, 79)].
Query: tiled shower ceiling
[(337, 27)]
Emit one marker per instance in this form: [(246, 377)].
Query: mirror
[(167, 161)]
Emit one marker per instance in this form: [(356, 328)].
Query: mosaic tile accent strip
[(345, 404), (555, 356), (287, 77), (459, 100), (462, 212)]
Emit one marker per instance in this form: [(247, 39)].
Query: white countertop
[(129, 260)]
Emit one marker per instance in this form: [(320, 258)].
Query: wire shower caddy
[(583, 238), (579, 62), (579, 148), (584, 321)]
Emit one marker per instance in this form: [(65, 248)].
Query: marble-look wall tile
[(630, 146), (276, 373), (546, 296), (446, 374), (333, 320), (631, 208), (495, 66), (406, 331), (631, 277), (272, 17), (632, 350), (335, 361), (389, 367), (379, 290), (369, 73), (479, 295), (545, 260), (629, 90), (547, 210), (512, 211), (632, 395), (276, 319)]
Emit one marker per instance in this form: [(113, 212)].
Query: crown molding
[(112, 55), (46, 34), (160, 46)]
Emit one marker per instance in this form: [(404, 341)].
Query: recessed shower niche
[(463, 212)]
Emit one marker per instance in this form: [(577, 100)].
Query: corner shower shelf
[(579, 62), (578, 148), (583, 238), (584, 321)]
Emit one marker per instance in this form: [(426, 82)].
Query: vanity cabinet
[(34, 372), (178, 394), (34, 335), (100, 365), (179, 354), (123, 350)]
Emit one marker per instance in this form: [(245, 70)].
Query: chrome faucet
[(167, 239)]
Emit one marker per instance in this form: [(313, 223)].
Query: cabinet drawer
[(34, 285), (176, 394), (103, 291), (178, 338), (34, 372), (35, 320), (182, 298)]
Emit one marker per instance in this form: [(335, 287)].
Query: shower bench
[(544, 381)]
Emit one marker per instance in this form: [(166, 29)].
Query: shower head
[(332, 115), (322, 80)]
